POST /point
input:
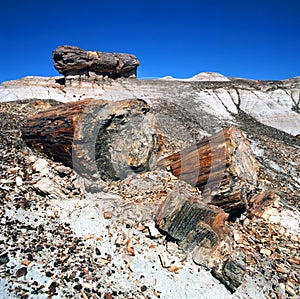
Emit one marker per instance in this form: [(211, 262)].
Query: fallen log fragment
[(223, 167), (113, 139), (231, 274), (201, 230), (195, 226)]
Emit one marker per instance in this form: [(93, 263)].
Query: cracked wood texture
[(70, 60), (222, 166), (197, 227), (113, 139)]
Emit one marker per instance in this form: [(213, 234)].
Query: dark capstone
[(98, 251), (4, 258), (70, 60), (143, 288)]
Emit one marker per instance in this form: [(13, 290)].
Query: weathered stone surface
[(272, 103), (231, 274), (223, 167), (97, 137), (261, 203), (197, 227), (70, 60)]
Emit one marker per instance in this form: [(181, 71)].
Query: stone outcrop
[(70, 60), (97, 137), (188, 103)]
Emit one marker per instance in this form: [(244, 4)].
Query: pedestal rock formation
[(70, 60), (113, 139)]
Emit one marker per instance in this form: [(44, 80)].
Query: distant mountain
[(204, 76)]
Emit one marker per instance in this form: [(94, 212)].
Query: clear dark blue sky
[(258, 39)]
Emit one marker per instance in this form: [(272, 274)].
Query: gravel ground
[(59, 241)]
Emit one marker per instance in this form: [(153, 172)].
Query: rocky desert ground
[(62, 237)]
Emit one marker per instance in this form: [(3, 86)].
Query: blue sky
[(239, 38)]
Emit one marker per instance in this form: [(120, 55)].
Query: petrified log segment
[(70, 60), (196, 227), (222, 166), (231, 274), (200, 229), (112, 139)]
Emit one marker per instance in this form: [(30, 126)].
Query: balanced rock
[(70, 60)]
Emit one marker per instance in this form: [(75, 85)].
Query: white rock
[(5, 181), (40, 165), (19, 181), (32, 159), (44, 185), (153, 231)]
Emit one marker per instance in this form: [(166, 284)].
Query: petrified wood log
[(197, 227), (201, 230), (231, 274), (70, 60), (112, 139), (222, 166)]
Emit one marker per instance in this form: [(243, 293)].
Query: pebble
[(21, 272), (19, 181), (290, 290), (40, 165), (265, 251), (107, 215), (63, 169), (153, 231), (4, 258), (26, 262)]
